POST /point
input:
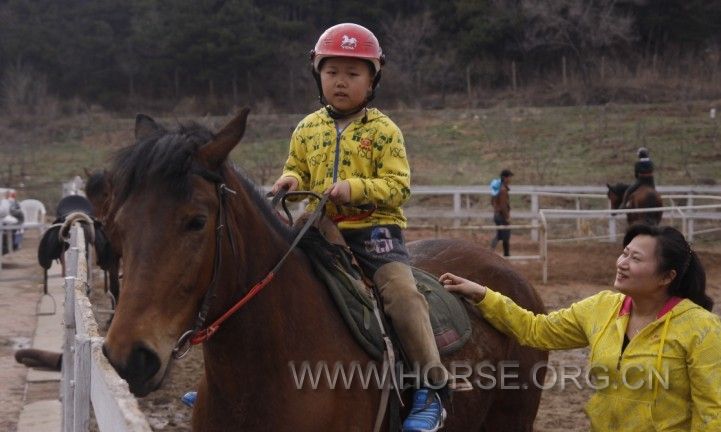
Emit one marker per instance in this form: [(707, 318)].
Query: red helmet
[(348, 40)]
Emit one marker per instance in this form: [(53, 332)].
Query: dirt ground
[(575, 271), (20, 290)]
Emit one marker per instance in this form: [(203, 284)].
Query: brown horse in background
[(643, 197), (188, 223), (98, 190)]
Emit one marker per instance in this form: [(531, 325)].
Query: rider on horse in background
[(643, 171), (357, 156)]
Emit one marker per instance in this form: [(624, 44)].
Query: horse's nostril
[(138, 369), (143, 363)]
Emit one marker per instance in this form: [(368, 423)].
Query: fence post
[(81, 397), (70, 263), (534, 210), (578, 219), (456, 209), (68, 367), (690, 224), (611, 225), (543, 245)]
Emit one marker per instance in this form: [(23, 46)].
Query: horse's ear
[(217, 151), (145, 127)]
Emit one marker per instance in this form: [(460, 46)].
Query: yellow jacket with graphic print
[(683, 345), (371, 156)]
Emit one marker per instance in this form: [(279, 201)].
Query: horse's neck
[(290, 320), (260, 245)]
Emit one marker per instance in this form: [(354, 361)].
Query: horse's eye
[(196, 224)]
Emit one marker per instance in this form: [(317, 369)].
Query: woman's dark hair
[(674, 253)]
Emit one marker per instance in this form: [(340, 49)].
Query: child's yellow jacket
[(369, 153), (668, 377)]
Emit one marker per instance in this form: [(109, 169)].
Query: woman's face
[(637, 269), (346, 82)]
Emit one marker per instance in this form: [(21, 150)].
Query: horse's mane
[(165, 159), (162, 159), (261, 203)]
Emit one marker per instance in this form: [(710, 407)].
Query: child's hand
[(456, 284), (339, 192), (290, 183)]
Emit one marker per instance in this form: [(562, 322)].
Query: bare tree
[(582, 28), (26, 104), (407, 44)]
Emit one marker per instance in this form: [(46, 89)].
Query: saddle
[(333, 264), (51, 246)]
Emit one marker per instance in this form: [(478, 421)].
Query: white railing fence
[(456, 206), (87, 376)]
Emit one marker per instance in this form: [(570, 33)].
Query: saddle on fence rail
[(52, 246), (333, 265)]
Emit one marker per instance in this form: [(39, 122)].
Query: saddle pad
[(332, 264)]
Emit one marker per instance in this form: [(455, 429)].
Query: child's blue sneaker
[(427, 413), (189, 398)]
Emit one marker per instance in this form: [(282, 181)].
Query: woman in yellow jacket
[(655, 347)]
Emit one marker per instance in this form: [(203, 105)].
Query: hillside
[(567, 145)]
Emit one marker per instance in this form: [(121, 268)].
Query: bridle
[(198, 334)]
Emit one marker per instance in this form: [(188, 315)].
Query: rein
[(198, 334)]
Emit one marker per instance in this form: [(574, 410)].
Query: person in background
[(502, 211), (642, 172), (11, 214), (655, 344)]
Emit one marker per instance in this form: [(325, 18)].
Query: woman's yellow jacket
[(667, 379)]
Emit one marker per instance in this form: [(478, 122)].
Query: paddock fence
[(88, 380), (574, 210)]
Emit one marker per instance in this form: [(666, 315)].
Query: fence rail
[(463, 206)]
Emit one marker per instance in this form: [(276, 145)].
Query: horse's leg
[(514, 409)]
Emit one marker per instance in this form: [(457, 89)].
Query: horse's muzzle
[(138, 369)]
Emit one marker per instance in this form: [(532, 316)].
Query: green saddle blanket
[(332, 264)]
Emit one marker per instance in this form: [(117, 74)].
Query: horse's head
[(97, 189), (166, 208), (615, 194)]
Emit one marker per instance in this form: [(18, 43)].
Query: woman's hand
[(458, 285)]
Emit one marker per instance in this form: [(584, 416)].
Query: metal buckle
[(184, 344)]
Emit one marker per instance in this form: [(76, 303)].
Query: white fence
[(472, 203), (86, 374)]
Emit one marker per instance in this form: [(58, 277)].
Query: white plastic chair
[(34, 212)]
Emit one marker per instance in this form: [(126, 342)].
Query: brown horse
[(98, 189), (643, 197), (194, 230)]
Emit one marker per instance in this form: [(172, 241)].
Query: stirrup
[(427, 412)]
